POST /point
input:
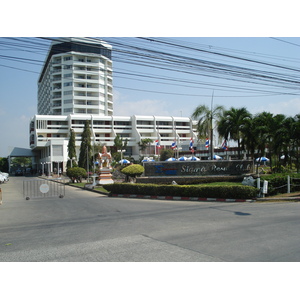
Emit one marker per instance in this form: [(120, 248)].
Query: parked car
[(19, 172), (6, 175), (2, 178)]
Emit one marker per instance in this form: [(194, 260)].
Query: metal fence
[(43, 188)]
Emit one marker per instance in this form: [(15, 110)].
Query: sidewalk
[(295, 196)]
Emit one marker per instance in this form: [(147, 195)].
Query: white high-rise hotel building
[(75, 85)]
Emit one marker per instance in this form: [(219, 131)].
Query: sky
[(143, 96)]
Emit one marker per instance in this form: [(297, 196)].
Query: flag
[(207, 143), (174, 145), (191, 144), (224, 145), (157, 144)]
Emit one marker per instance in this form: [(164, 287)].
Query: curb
[(180, 198)]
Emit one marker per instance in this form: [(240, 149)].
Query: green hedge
[(187, 180), (225, 192), (277, 183)]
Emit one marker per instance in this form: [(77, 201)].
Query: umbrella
[(217, 157), (182, 158), (147, 159), (193, 158), (124, 161), (171, 159), (262, 159)]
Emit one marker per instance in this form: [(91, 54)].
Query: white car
[(4, 177)]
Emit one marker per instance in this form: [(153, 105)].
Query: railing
[(43, 189)]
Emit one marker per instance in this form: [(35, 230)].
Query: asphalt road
[(88, 227)]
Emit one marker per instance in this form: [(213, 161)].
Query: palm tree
[(249, 140), (274, 124), (205, 125), (232, 124), (289, 136), (144, 143)]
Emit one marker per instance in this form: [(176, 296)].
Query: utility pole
[(211, 128)]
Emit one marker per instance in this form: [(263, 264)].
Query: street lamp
[(42, 163), (121, 151), (71, 160)]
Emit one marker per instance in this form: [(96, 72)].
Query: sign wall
[(198, 168)]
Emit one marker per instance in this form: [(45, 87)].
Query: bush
[(224, 192), (76, 173), (133, 170), (277, 183)]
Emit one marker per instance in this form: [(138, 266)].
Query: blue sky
[(18, 89)]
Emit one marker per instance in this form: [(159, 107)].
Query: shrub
[(228, 192), (133, 170), (76, 173), (277, 183)]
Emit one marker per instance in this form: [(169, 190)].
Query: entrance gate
[(42, 188)]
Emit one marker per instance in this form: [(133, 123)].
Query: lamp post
[(71, 160), (42, 163), (121, 151)]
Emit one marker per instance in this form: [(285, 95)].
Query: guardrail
[(42, 188)]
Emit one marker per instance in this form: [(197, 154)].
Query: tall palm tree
[(274, 125), (206, 118), (232, 123), (289, 135), (249, 141), (296, 131)]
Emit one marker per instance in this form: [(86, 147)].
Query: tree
[(76, 173), (3, 164), (166, 153), (21, 161), (232, 123), (144, 143), (249, 141), (85, 147), (133, 171), (119, 144), (72, 150), (205, 125)]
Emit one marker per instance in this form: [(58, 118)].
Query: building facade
[(76, 78), (49, 134), (75, 85)]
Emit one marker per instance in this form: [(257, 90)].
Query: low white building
[(49, 135)]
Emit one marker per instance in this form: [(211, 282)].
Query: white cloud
[(141, 107), (289, 108)]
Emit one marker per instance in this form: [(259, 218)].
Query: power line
[(165, 55)]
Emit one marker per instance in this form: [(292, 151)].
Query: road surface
[(84, 226)]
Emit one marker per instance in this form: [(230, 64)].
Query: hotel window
[(68, 75)]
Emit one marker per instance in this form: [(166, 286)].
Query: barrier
[(43, 188)]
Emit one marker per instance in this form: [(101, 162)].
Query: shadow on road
[(238, 213)]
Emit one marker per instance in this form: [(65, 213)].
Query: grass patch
[(101, 189), (82, 185), (78, 184), (225, 183)]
